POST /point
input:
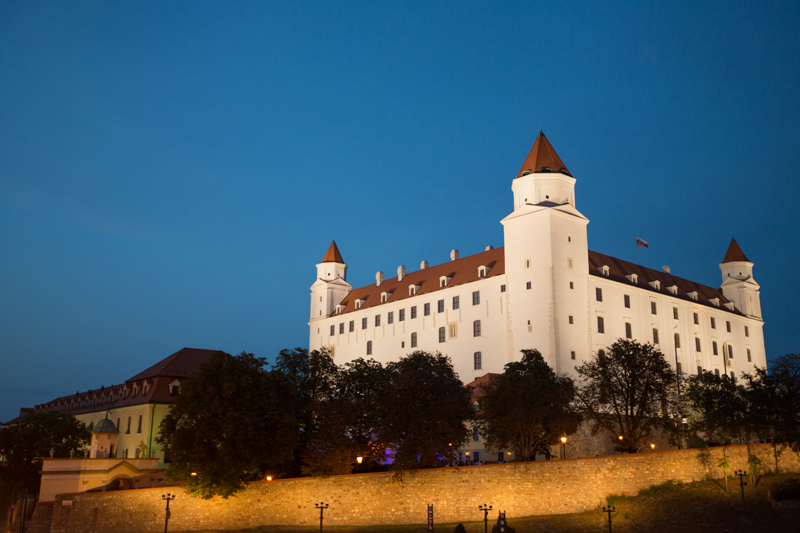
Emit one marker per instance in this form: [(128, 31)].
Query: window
[(571, 320), (136, 452), (627, 301), (716, 371), (427, 309), (453, 330), (341, 328), (728, 325), (456, 303), (174, 390), (333, 329), (476, 328), (569, 262), (730, 352), (476, 297), (402, 316), (572, 354), (749, 358), (369, 347), (414, 312), (377, 320), (475, 437), (678, 368), (527, 263), (713, 323), (502, 288), (655, 336), (601, 355), (677, 340), (675, 313), (476, 407), (628, 330), (441, 335), (413, 340), (363, 323), (598, 294), (139, 426), (402, 344), (571, 286), (482, 272), (118, 426), (128, 431), (733, 376), (699, 370), (697, 344), (714, 348), (390, 317), (440, 306), (352, 326), (653, 310), (528, 285), (477, 360), (600, 325), (746, 331), (696, 319)]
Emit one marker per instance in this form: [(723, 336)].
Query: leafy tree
[(785, 375), (629, 391), (34, 436), (424, 411), (528, 407), (229, 426)]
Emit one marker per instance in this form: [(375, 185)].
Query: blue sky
[(171, 172)]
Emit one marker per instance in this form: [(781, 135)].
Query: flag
[(642, 242)]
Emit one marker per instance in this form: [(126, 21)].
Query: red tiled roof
[(183, 363), (543, 158), (734, 253), (619, 269), (333, 255), (461, 271), (476, 386)]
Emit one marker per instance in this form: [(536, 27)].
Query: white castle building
[(545, 290)]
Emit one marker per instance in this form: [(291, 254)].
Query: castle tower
[(738, 284), (546, 256), (331, 286)]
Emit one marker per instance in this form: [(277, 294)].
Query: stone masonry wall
[(524, 489)]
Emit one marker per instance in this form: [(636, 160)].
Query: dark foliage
[(528, 407), (788, 489), (460, 528), (721, 407)]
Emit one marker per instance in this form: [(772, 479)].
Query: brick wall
[(524, 489)]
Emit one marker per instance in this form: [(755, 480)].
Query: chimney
[(379, 277), (453, 255), (665, 268), (401, 273), (490, 247), (423, 265)]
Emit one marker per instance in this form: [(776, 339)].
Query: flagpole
[(636, 243)]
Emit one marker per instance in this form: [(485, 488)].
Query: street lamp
[(563, 447), (652, 446), (167, 498), (269, 478), (359, 459), (485, 510), (609, 510), (321, 506), (742, 483)]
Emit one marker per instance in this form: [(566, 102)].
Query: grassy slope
[(683, 508)]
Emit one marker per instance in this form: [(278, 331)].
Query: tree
[(630, 391), (424, 411), (528, 407), (785, 377), (34, 436), (229, 426)]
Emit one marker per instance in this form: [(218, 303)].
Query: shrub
[(788, 489), (460, 529)]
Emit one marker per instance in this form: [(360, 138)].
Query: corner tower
[(738, 284), (547, 262), (331, 286)]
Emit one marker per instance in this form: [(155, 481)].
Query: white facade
[(545, 290)]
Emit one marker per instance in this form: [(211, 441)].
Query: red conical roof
[(333, 255), (735, 253), (543, 158)]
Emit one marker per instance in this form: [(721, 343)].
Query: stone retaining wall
[(524, 489)]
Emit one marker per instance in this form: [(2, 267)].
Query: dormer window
[(385, 296), (673, 289), (443, 281), (135, 391), (714, 302), (482, 270), (656, 285), (605, 270), (413, 289), (145, 388), (359, 303), (692, 295), (339, 309), (175, 388), (633, 278), (730, 306)]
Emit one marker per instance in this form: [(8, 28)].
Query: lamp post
[(167, 498), (563, 447), (742, 483), (485, 510), (359, 459), (609, 510), (652, 446), (321, 506)]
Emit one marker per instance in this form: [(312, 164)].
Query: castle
[(544, 289)]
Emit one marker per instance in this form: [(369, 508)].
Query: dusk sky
[(171, 172)]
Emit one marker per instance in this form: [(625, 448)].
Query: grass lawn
[(683, 508)]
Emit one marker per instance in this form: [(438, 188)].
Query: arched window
[(441, 334), (413, 340), (369, 347), (477, 358), (476, 328)]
